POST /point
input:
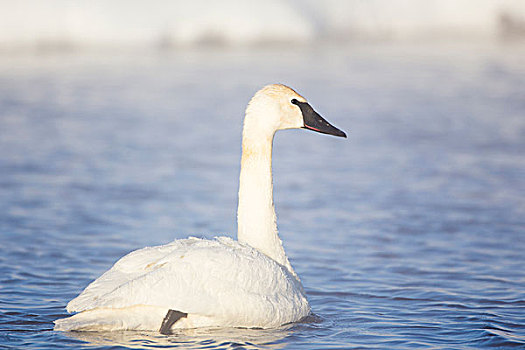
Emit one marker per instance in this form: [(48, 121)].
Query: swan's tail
[(140, 317)]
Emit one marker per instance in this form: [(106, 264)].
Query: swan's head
[(276, 107)]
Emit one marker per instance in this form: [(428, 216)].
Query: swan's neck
[(257, 223)]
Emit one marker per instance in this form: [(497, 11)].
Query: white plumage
[(220, 282), (214, 281)]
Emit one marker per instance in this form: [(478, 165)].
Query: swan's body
[(221, 282), (217, 282)]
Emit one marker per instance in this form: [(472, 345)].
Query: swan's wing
[(128, 268), (218, 278)]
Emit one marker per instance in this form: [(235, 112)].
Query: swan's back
[(222, 281)]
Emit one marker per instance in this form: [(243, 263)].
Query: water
[(408, 234)]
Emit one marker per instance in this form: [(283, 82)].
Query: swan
[(193, 282)]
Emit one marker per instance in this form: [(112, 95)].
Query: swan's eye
[(294, 101)]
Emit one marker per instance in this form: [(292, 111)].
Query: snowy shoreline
[(64, 24)]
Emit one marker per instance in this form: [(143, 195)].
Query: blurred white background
[(36, 24)]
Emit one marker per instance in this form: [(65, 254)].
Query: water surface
[(408, 234)]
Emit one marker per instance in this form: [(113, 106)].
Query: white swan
[(222, 282)]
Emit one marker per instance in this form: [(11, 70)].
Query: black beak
[(313, 121)]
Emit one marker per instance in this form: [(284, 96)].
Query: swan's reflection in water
[(191, 338)]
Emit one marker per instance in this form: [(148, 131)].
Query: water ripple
[(408, 235)]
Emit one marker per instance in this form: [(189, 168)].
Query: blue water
[(408, 234)]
